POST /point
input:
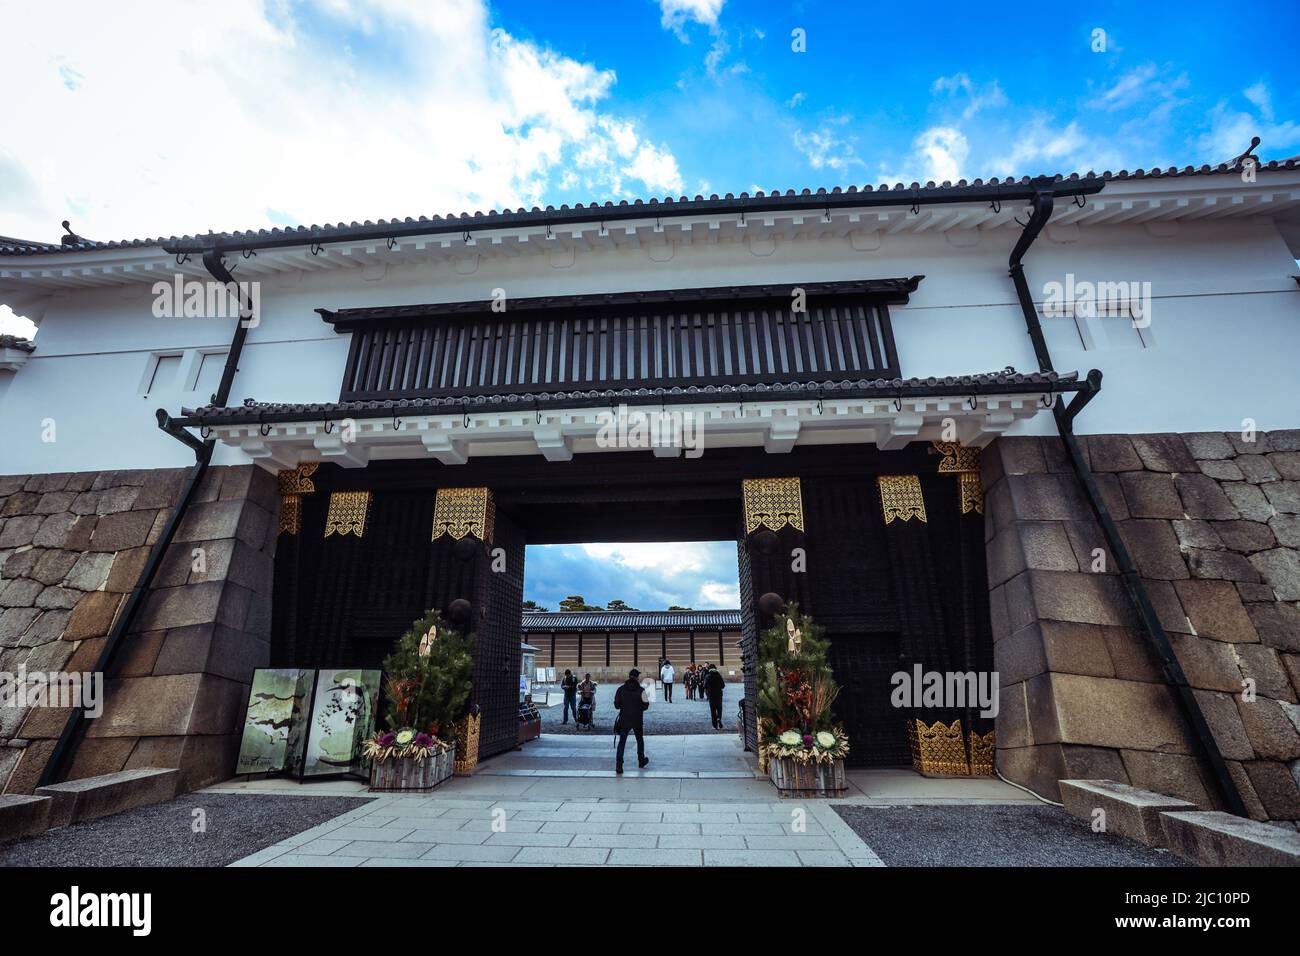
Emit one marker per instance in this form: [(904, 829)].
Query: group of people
[(702, 682), (632, 700)]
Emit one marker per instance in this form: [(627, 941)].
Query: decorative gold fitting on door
[(772, 503), (982, 748), (348, 513), (900, 497), (293, 484), (965, 464), (937, 749), (461, 511)]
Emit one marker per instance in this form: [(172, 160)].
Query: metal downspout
[(203, 456), (1154, 631)]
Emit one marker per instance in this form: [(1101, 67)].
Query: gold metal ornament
[(467, 731), (900, 497), (461, 511), (965, 464), (937, 749), (293, 484), (972, 492), (957, 458), (772, 503), (348, 513), (982, 748)]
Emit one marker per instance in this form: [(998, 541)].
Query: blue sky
[(159, 118), (649, 577), (287, 112), (879, 96)]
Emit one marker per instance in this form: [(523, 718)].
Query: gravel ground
[(162, 834), (682, 716), (1036, 835)]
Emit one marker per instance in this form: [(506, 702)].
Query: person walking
[(666, 674), (570, 687), (631, 702), (714, 685)]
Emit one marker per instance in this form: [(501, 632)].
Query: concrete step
[(22, 815), (102, 796), (1214, 838), (1130, 812)]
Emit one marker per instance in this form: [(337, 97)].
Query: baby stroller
[(586, 712)]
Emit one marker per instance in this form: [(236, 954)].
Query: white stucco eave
[(559, 433)]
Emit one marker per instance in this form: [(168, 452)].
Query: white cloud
[(675, 14), (825, 148), (716, 594), (1259, 95), (795, 100), (978, 97), (1144, 85), (187, 117), (1038, 148), (938, 154), (668, 556), (1230, 130)]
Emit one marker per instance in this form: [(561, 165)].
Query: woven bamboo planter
[(794, 778), (403, 773)]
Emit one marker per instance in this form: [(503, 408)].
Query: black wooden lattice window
[(670, 344)]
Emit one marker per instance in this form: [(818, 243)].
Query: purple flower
[(423, 740), (808, 741), (388, 739)]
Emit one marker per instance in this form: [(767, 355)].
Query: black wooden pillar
[(773, 571)]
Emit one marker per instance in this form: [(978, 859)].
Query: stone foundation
[(1213, 525), (71, 548)]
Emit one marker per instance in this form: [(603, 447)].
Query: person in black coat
[(631, 703), (714, 685)]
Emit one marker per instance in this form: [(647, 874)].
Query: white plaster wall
[(1223, 345)]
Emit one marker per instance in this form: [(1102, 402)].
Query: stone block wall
[(1213, 524), (71, 548)]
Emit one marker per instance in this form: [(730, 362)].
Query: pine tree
[(429, 681), (796, 686)]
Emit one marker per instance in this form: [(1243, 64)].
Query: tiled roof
[(700, 204), (628, 620), (1006, 381), (16, 342)]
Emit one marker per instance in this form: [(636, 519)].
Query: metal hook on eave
[(248, 253), (392, 241), (1081, 200), (971, 402), (397, 423), (464, 409), (264, 430), (316, 248), (329, 426), (1047, 399), (182, 258)]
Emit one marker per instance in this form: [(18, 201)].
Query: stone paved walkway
[(439, 830), (557, 802)]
